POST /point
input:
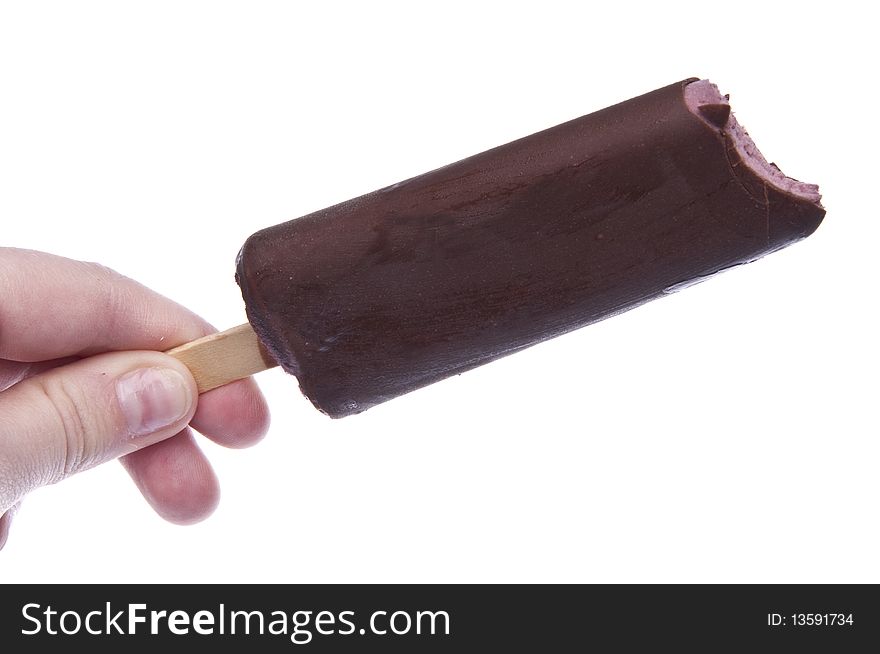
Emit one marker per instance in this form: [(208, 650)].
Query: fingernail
[(152, 399)]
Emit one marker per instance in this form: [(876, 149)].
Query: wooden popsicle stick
[(221, 358)]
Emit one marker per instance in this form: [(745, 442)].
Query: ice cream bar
[(399, 288)]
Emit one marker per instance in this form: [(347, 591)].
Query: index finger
[(55, 307)]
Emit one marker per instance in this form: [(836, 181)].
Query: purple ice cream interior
[(705, 101)]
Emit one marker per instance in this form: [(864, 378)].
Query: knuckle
[(77, 445), (99, 271), (20, 471), (17, 479), (11, 481), (112, 296)]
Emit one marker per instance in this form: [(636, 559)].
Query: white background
[(726, 433)]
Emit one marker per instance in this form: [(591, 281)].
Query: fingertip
[(176, 479), (5, 521), (235, 415)]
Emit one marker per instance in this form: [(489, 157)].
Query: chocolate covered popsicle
[(399, 288)]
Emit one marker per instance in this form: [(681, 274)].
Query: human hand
[(83, 381)]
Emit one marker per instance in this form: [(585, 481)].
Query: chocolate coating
[(391, 291)]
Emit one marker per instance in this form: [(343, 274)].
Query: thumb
[(76, 416)]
